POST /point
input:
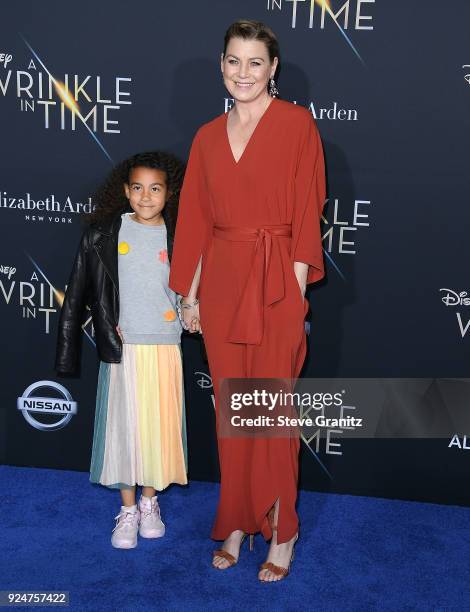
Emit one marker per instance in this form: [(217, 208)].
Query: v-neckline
[(250, 138)]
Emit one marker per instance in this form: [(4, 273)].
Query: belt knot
[(265, 282)]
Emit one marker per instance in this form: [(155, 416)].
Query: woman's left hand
[(300, 271)]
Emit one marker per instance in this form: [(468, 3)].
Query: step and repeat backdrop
[(84, 86)]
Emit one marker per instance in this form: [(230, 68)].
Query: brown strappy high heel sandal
[(277, 569), (230, 558)]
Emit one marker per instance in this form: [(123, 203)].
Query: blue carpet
[(354, 553)]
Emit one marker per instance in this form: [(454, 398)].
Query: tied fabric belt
[(265, 283)]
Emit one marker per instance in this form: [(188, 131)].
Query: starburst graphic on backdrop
[(325, 5), (67, 98)]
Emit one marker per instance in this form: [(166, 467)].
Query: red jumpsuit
[(250, 220)]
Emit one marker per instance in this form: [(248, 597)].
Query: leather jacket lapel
[(107, 248)]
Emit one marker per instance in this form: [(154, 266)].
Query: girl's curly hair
[(110, 197)]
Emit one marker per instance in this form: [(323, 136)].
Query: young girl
[(121, 273)]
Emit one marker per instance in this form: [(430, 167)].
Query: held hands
[(188, 312), (189, 317)]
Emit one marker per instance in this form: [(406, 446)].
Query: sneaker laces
[(147, 509), (123, 519)]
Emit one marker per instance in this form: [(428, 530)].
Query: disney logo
[(8, 270), (452, 298), (5, 59), (205, 382), (467, 76)]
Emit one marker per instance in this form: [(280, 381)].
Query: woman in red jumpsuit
[(247, 242)]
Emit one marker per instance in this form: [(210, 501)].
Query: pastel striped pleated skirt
[(140, 431)]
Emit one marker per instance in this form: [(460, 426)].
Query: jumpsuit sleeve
[(193, 225), (309, 199)]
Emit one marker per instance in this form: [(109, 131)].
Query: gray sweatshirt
[(147, 304)]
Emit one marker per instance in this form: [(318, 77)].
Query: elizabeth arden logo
[(45, 208), (333, 111)]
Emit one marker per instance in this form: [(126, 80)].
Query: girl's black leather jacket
[(94, 284)]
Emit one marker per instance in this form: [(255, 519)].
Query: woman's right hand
[(191, 317)]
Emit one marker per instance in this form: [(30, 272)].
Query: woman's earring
[(273, 90)]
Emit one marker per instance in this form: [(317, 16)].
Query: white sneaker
[(151, 525), (127, 526)]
